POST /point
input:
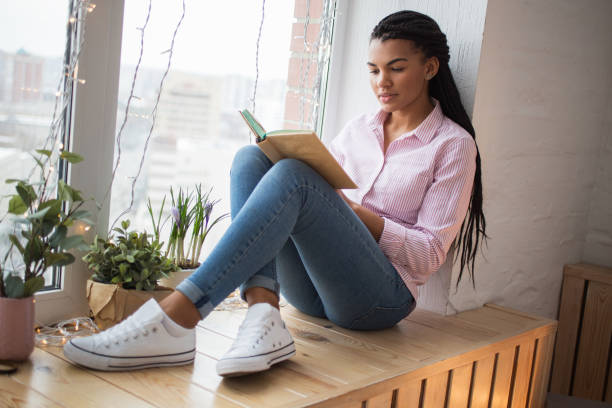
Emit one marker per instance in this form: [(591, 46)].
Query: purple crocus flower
[(176, 216), (207, 210)]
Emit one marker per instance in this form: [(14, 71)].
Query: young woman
[(354, 257)]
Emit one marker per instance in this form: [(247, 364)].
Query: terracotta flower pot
[(176, 278), (16, 328), (110, 304)]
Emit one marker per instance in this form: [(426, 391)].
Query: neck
[(410, 118)]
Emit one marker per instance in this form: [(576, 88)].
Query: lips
[(386, 97)]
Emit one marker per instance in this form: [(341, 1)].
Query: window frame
[(92, 131), (92, 135)]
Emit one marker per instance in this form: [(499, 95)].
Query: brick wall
[(302, 65)]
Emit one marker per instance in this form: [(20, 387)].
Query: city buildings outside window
[(31, 65)]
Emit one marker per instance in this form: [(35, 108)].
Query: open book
[(303, 145)]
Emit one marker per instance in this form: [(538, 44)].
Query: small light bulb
[(87, 228), (72, 19)]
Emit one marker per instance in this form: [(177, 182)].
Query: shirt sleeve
[(422, 248), (335, 146)]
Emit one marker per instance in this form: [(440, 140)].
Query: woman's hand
[(371, 220), (351, 204)]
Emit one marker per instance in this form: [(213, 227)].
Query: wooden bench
[(583, 357), (490, 356)]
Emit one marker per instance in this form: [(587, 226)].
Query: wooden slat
[(592, 359), (483, 378), (334, 367), (523, 374), (461, 379), (451, 324), (159, 387), (380, 401), (541, 371), (15, 394), (503, 378), (409, 395), (391, 339), (435, 390), (590, 272), (278, 386), (608, 396), (69, 384), (570, 315)]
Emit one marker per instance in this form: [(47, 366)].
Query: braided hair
[(426, 35)]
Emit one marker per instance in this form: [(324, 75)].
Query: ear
[(432, 64)]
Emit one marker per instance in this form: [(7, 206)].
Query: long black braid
[(426, 35)]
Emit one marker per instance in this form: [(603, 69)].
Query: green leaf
[(59, 258), (17, 206), (71, 157), (125, 224), (40, 164), (10, 181), (74, 241), (33, 285), (55, 207), (38, 214), (33, 250), (26, 192), (80, 214), (44, 152), (13, 287), (55, 240), (16, 242), (130, 258)]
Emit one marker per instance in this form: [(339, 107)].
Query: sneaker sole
[(235, 367), (102, 362)]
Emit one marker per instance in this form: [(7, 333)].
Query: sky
[(215, 38)]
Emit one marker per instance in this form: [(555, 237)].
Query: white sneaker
[(140, 341), (262, 340)]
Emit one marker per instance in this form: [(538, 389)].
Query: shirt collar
[(424, 132)]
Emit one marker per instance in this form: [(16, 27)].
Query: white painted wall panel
[(543, 91), (461, 20)]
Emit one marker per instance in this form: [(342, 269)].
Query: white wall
[(349, 91), (543, 121), (598, 243)]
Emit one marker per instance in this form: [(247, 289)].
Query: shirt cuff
[(392, 238)]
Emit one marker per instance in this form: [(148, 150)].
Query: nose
[(384, 80)]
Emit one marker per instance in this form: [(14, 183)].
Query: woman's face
[(399, 73)]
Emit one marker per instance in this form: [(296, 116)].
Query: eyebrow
[(393, 61)]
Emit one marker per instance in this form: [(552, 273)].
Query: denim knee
[(246, 154)]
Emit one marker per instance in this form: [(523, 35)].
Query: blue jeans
[(292, 232)]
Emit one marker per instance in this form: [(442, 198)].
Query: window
[(197, 126), (31, 65)]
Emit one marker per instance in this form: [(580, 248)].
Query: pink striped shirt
[(421, 187)]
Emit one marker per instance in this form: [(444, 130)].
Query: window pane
[(197, 129), (32, 43)]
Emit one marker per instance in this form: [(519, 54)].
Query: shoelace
[(128, 329), (251, 331)]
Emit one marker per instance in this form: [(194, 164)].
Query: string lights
[(322, 49), (58, 334), (170, 52), (261, 22)]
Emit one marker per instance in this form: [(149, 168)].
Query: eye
[(397, 69), (373, 71)]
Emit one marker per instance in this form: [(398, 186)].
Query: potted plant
[(191, 222), (126, 268), (44, 215)]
